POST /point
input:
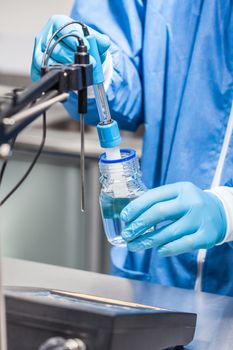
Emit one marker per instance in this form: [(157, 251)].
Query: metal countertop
[(215, 313)]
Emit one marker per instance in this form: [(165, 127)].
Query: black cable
[(80, 40), (85, 32), (4, 165), (31, 166)]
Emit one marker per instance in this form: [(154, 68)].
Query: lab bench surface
[(214, 312)]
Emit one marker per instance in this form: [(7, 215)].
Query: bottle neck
[(121, 170), (121, 178)]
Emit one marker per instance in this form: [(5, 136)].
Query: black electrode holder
[(82, 58), (56, 80)]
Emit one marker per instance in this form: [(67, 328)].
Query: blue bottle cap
[(109, 134)]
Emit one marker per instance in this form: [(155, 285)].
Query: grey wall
[(20, 20)]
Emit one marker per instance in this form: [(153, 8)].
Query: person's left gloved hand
[(197, 220), (64, 51)]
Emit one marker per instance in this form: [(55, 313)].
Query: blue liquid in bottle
[(111, 209)]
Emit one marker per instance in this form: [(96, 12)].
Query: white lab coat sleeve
[(225, 195)]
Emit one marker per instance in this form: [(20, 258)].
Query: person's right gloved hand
[(64, 51), (196, 219)]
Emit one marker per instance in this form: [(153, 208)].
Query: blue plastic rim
[(130, 153)]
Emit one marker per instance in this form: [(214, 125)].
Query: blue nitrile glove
[(64, 52), (197, 220)]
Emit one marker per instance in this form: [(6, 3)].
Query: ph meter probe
[(108, 131)]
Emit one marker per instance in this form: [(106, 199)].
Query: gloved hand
[(64, 51), (198, 220)]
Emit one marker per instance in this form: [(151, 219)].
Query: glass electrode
[(102, 103), (121, 183), (105, 119)]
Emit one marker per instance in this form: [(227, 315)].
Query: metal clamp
[(75, 344)]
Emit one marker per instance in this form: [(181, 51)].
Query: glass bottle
[(121, 183)]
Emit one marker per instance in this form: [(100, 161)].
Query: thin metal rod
[(82, 160), (35, 109)]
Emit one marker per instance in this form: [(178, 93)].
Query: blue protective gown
[(173, 65)]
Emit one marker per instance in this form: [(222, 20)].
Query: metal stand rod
[(39, 108), (82, 163)]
